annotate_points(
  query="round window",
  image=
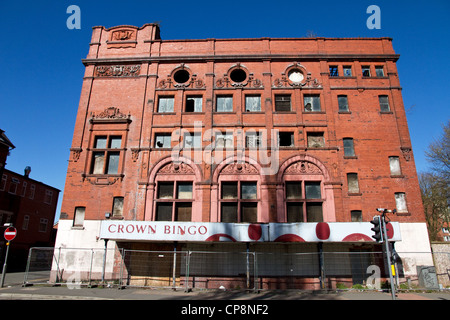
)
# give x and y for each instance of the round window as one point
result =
(295, 75)
(238, 75)
(181, 76)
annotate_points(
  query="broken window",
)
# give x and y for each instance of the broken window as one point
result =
(334, 71)
(252, 139)
(347, 71)
(366, 71)
(343, 103)
(224, 104)
(384, 103)
(379, 71)
(315, 140)
(282, 102)
(194, 104)
(165, 104)
(224, 140)
(192, 140)
(352, 181)
(394, 165)
(252, 103)
(356, 215)
(349, 150)
(312, 103)
(105, 158)
(162, 140)
(286, 139)
(238, 75)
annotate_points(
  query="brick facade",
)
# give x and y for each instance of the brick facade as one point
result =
(129, 71)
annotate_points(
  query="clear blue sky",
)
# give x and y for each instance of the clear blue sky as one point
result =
(41, 69)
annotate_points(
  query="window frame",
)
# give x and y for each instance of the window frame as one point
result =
(224, 96)
(303, 200)
(174, 200)
(239, 201)
(314, 99)
(384, 103)
(279, 98)
(165, 98)
(107, 153)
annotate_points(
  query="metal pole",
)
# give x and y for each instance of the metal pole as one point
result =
(174, 272)
(248, 266)
(4, 265)
(104, 261)
(321, 266)
(386, 243)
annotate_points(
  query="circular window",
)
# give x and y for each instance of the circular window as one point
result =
(295, 75)
(181, 76)
(238, 75)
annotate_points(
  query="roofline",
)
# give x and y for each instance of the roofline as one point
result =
(28, 178)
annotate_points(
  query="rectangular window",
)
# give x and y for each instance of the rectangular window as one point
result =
(315, 140)
(78, 219)
(294, 212)
(164, 211)
(26, 222)
(349, 149)
(312, 190)
(400, 202)
(193, 140)
(163, 140)
(3, 182)
(366, 71)
(312, 103)
(236, 204)
(252, 103)
(224, 140)
(184, 190)
(24, 188)
(32, 191)
(229, 190)
(293, 190)
(224, 104)
(183, 211)
(347, 71)
(286, 139)
(194, 104)
(43, 223)
(48, 197)
(252, 139)
(165, 104)
(379, 71)
(334, 71)
(352, 181)
(282, 102)
(356, 215)
(165, 190)
(343, 103)
(117, 210)
(314, 212)
(13, 185)
(384, 103)
(105, 158)
(394, 165)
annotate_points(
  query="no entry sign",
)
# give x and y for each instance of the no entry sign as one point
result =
(10, 233)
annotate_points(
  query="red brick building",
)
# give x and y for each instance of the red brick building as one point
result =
(30, 206)
(248, 140)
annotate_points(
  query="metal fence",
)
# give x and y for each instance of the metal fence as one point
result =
(254, 271)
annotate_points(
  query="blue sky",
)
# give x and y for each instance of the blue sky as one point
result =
(42, 72)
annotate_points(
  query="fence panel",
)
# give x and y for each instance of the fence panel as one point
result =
(237, 270)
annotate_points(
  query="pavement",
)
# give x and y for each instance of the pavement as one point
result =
(14, 290)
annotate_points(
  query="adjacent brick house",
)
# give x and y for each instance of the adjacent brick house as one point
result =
(201, 138)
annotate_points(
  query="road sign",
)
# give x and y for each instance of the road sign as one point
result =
(10, 233)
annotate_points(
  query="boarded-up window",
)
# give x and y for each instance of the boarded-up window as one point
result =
(282, 102)
(394, 165)
(353, 185)
(117, 207)
(316, 140)
(78, 219)
(400, 202)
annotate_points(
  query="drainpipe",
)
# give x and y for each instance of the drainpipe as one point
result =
(104, 261)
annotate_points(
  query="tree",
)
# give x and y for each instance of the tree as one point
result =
(434, 185)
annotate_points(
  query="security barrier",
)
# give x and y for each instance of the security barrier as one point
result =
(254, 271)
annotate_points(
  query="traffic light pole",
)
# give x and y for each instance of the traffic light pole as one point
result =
(388, 253)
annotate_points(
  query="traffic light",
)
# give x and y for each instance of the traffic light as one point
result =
(376, 228)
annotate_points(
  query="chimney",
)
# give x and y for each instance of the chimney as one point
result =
(27, 171)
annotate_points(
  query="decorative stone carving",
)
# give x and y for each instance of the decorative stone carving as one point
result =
(110, 113)
(303, 167)
(135, 154)
(407, 152)
(118, 71)
(251, 82)
(239, 168)
(176, 168)
(193, 82)
(76, 152)
(122, 37)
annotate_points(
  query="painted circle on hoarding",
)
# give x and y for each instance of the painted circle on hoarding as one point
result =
(323, 231)
(254, 232)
